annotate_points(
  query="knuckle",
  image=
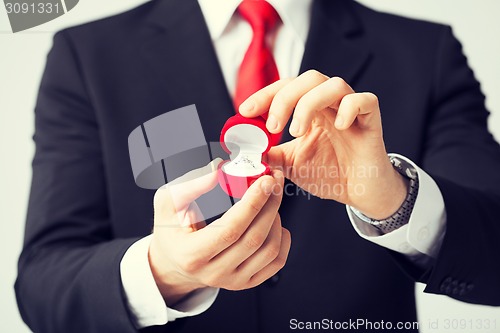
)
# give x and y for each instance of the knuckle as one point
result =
(280, 262)
(371, 98)
(272, 253)
(315, 75)
(229, 235)
(255, 240)
(285, 234)
(285, 81)
(339, 82)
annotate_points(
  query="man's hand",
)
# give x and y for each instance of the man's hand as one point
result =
(242, 249)
(339, 151)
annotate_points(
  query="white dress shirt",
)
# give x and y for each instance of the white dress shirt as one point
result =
(231, 36)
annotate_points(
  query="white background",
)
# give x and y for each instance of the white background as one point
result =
(22, 59)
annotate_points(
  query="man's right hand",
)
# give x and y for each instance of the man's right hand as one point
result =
(242, 249)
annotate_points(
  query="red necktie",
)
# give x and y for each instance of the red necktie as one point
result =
(258, 68)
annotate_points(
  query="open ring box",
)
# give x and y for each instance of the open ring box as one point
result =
(247, 141)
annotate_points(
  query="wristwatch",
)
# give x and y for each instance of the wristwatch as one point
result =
(402, 215)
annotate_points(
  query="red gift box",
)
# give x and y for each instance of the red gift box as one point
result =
(246, 140)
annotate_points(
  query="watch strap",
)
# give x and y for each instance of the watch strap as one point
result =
(402, 216)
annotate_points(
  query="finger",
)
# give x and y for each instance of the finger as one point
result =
(177, 195)
(286, 99)
(194, 218)
(361, 106)
(328, 94)
(278, 157)
(279, 176)
(259, 102)
(266, 253)
(257, 232)
(225, 231)
(277, 264)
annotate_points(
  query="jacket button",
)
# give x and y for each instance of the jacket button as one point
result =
(445, 285)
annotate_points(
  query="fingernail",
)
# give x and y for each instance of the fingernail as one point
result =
(339, 122)
(272, 123)
(267, 186)
(295, 127)
(247, 106)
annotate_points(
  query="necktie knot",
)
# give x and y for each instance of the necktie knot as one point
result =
(259, 14)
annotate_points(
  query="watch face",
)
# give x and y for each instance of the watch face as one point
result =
(403, 167)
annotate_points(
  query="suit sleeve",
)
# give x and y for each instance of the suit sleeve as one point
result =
(69, 269)
(464, 160)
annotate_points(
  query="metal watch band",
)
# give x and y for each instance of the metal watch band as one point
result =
(402, 215)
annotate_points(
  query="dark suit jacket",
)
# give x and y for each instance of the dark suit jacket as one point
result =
(105, 78)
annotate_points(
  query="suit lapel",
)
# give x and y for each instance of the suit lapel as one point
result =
(180, 54)
(335, 45)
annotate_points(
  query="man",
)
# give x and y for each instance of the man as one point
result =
(85, 264)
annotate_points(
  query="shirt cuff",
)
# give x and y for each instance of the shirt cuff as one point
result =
(426, 227)
(143, 297)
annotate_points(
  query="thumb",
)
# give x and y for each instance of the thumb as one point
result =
(278, 157)
(178, 194)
